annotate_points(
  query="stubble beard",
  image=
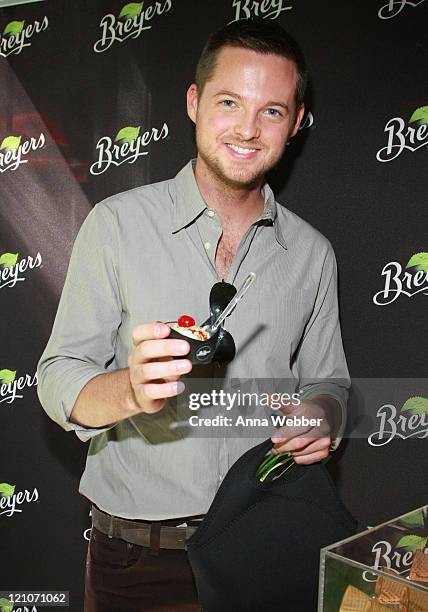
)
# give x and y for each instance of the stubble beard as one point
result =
(237, 179)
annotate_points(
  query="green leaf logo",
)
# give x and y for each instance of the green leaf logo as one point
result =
(418, 261)
(131, 10)
(14, 28)
(128, 134)
(417, 405)
(7, 376)
(10, 143)
(7, 260)
(6, 490)
(412, 542)
(6, 605)
(415, 519)
(420, 114)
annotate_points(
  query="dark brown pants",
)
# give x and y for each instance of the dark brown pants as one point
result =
(122, 577)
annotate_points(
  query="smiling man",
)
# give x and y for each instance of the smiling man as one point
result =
(245, 111)
(154, 252)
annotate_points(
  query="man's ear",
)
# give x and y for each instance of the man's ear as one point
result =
(298, 120)
(192, 102)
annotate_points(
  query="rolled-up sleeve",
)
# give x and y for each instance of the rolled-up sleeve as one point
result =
(83, 336)
(320, 361)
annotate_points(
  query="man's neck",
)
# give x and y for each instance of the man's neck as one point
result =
(238, 207)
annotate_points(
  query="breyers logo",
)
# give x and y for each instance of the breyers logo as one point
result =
(404, 136)
(394, 7)
(268, 9)
(307, 121)
(10, 386)
(17, 35)
(132, 20)
(12, 270)
(10, 501)
(7, 605)
(398, 557)
(13, 150)
(410, 422)
(128, 145)
(409, 283)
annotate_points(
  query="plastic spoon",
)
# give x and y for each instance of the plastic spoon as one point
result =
(231, 305)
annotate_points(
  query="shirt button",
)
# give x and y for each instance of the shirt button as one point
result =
(207, 246)
(211, 212)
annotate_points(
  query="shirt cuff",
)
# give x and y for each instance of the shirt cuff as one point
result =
(67, 390)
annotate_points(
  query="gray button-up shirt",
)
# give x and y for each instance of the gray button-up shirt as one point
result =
(149, 254)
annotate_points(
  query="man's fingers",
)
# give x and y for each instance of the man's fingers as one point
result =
(314, 446)
(312, 458)
(150, 331)
(285, 434)
(153, 373)
(154, 370)
(297, 444)
(154, 391)
(156, 349)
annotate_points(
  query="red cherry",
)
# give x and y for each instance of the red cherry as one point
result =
(185, 321)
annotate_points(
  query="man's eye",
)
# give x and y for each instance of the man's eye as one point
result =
(273, 112)
(228, 103)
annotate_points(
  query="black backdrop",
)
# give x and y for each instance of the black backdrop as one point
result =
(354, 171)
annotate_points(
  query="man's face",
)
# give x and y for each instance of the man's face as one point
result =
(245, 116)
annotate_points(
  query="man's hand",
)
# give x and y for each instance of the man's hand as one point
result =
(308, 444)
(153, 372)
(152, 377)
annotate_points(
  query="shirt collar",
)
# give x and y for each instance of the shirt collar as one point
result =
(189, 204)
(270, 213)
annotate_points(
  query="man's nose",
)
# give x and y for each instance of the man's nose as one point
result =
(247, 126)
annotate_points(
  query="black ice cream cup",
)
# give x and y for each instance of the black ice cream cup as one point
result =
(201, 351)
(220, 346)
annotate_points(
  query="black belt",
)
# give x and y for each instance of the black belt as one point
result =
(151, 534)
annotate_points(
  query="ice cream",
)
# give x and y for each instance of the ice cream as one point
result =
(186, 326)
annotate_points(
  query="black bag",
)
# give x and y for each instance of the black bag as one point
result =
(258, 548)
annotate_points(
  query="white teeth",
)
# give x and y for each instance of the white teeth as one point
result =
(240, 149)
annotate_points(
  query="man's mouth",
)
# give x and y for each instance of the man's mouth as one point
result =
(241, 150)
